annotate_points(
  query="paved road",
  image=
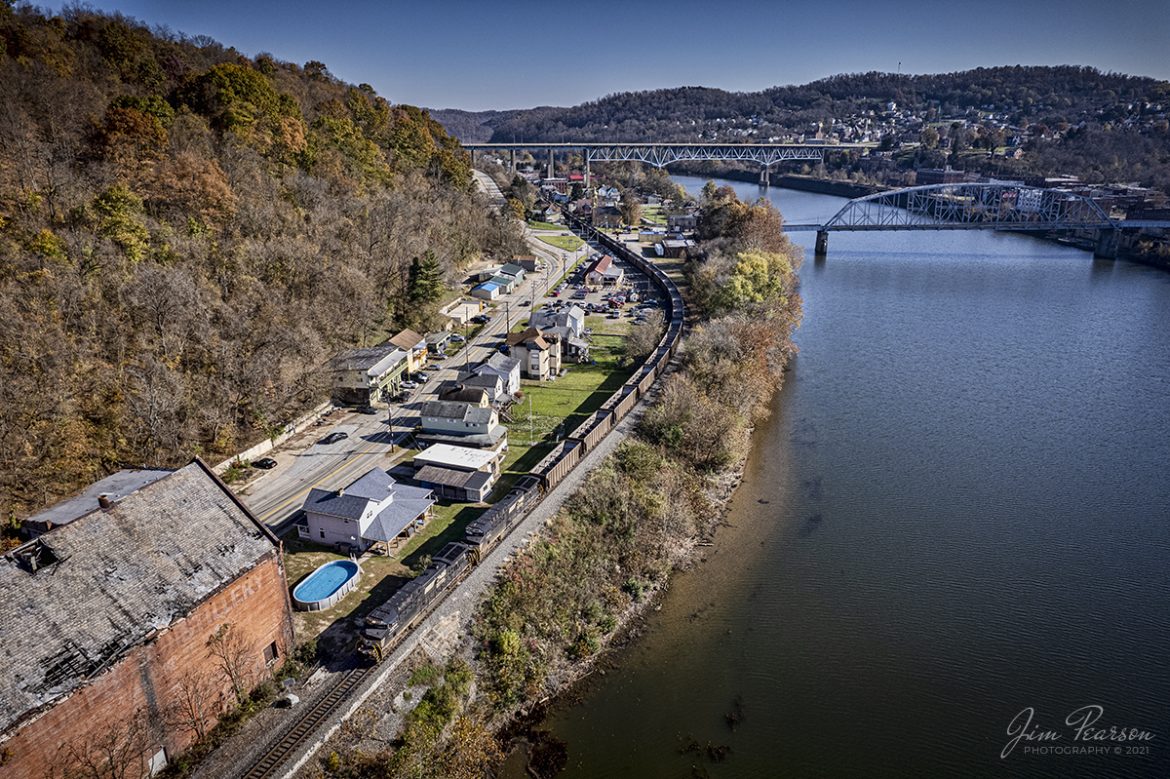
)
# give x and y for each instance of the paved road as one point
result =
(304, 463)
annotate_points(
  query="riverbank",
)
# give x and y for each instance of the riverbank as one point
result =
(651, 507)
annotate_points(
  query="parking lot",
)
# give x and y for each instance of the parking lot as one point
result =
(632, 299)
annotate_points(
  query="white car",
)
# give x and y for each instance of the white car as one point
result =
(409, 385)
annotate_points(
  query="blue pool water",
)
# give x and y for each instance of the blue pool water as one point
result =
(325, 581)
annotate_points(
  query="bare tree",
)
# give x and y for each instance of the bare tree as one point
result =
(119, 753)
(198, 702)
(227, 646)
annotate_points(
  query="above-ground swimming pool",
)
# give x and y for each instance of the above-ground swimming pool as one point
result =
(326, 585)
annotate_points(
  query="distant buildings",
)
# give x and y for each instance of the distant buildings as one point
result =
(134, 623)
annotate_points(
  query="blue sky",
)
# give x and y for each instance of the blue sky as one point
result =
(479, 55)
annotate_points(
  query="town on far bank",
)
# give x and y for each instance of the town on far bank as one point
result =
(217, 597)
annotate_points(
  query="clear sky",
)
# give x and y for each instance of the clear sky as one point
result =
(479, 55)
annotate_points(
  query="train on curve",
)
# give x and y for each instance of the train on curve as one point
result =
(386, 625)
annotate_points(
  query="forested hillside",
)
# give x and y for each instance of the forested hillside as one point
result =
(186, 235)
(1101, 126)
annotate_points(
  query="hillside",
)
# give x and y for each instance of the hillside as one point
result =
(187, 234)
(1101, 126)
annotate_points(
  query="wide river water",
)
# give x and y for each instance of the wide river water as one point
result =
(959, 509)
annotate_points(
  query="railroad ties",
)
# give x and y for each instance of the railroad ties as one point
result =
(305, 725)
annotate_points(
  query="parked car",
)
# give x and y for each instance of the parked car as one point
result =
(264, 463)
(480, 319)
(456, 338)
(367, 410)
(504, 349)
(409, 385)
(333, 438)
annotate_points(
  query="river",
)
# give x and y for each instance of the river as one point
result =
(959, 509)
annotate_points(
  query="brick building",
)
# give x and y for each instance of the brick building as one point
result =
(128, 630)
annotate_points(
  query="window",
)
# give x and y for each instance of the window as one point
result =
(271, 652)
(322, 534)
(158, 761)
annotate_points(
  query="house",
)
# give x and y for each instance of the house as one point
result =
(604, 271)
(571, 318)
(489, 290)
(546, 212)
(607, 217)
(515, 271)
(539, 354)
(437, 342)
(362, 377)
(458, 472)
(526, 261)
(113, 620)
(507, 367)
(491, 383)
(582, 208)
(683, 221)
(462, 392)
(415, 347)
(465, 424)
(372, 509)
(609, 195)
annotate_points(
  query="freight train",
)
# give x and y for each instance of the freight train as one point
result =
(386, 625)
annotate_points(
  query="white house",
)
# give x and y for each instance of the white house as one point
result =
(465, 424)
(373, 509)
(572, 318)
(506, 368)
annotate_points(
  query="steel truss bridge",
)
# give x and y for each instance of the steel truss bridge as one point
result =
(977, 207)
(662, 154)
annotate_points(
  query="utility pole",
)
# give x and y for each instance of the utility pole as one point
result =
(390, 423)
(531, 424)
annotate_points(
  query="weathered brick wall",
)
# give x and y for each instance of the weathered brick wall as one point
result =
(137, 705)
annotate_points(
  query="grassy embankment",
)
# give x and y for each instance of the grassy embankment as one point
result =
(643, 509)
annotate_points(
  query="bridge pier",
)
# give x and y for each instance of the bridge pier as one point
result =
(585, 156)
(552, 171)
(765, 176)
(512, 161)
(822, 245)
(1107, 245)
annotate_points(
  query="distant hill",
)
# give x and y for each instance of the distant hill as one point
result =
(1102, 126)
(469, 126)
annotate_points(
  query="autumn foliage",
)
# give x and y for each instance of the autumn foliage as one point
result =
(186, 235)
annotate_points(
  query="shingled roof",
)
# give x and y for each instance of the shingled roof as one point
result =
(107, 581)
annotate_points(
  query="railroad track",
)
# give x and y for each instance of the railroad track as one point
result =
(294, 737)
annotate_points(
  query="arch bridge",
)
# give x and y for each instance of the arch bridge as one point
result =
(977, 207)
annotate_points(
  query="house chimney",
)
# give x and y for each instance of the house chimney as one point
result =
(104, 501)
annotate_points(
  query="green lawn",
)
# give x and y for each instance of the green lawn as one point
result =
(536, 225)
(571, 398)
(654, 215)
(380, 576)
(569, 243)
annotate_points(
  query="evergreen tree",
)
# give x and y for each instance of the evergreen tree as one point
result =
(426, 279)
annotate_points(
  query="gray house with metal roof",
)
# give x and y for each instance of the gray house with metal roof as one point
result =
(373, 509)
